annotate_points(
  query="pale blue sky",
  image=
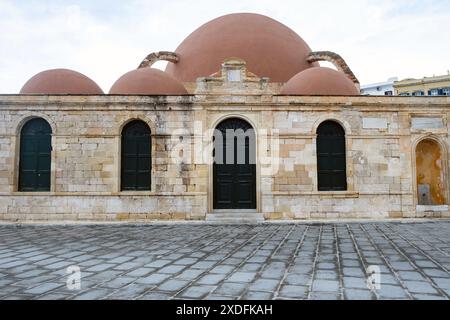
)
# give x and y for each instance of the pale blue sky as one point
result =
(104, 39)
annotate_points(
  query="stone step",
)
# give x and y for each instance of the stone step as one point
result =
(235, 221)
(235, 217)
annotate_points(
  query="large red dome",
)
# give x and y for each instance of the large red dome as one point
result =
(60, 81)
(147, 81)
(320, 81)
(269, 48)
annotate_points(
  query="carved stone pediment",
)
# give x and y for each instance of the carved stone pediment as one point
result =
(233, 77)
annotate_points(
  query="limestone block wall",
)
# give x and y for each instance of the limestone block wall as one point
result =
(373, 170)
(380, 144)
(86, 142)
(100, 207)
(381, 137)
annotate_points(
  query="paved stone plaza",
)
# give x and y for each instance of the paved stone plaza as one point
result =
(200, 261)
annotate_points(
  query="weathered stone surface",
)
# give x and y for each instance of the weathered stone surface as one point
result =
(375, 123)
(427, 123)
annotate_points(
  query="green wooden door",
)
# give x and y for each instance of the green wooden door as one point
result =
(234, 168)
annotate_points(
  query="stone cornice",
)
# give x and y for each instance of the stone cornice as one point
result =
(218, 102)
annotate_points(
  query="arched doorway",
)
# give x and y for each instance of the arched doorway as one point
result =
(136, 159)
(430, 177)
(331, 157)
(234, 167)
(35, 156)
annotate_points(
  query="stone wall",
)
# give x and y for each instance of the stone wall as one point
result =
(381, 137)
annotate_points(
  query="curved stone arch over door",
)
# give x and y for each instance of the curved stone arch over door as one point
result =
(35, 156)
(234, 167)
(430, 173)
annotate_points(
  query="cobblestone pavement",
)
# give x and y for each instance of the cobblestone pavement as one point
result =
(195, 261)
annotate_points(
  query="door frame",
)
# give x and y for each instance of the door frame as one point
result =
(250, 118)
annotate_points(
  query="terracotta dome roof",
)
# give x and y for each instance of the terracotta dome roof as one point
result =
(60, 81)
(270, 48)
(320, 81)
(147, 81)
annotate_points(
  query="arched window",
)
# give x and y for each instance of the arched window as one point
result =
(136, 163)
(331, 158)
(35, 156)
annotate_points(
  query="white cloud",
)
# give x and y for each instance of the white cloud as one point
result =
(103, 40)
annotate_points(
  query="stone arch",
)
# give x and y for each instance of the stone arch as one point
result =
(343, 123)
(25, 118)
(154, 57)
(145, 119)
(233, 115)
(336, 60)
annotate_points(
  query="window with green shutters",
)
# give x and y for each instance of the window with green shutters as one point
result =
(35, 156)
(136, 163)
(331, 157)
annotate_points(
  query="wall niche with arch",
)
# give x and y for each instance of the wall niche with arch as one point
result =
(430, 173)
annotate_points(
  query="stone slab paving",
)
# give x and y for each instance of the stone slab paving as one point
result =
(203, 261)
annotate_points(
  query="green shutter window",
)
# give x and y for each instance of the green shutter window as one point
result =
(35, 156)
(136, 163)
(331, 158)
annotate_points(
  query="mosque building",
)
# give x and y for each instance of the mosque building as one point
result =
(243, 125)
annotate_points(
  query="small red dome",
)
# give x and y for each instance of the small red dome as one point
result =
(147, 81)
(269, 48)
(60, 81)
(320, 81)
